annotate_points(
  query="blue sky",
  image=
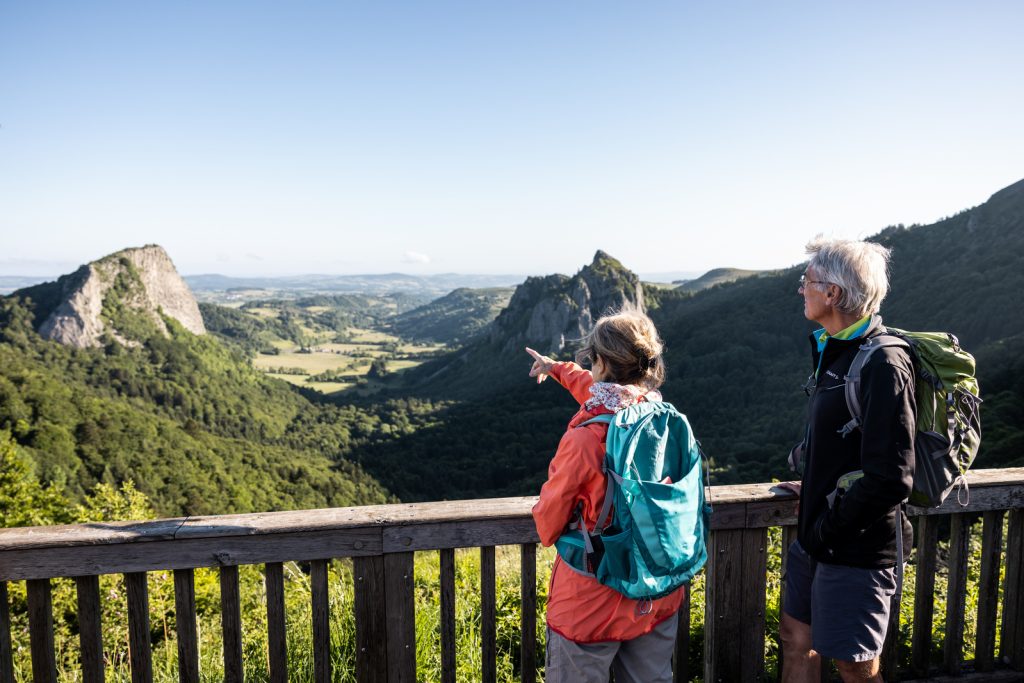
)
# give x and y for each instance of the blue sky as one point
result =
(257, 138)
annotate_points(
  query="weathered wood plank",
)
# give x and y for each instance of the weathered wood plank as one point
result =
(185, 616)
(139, 647)
(723, 612)
(231, 624)
(448, 662)
(924, 573)
(277, 642)
(95, 533)
(488, 616)
(528, 621)
(90, 629)
(321, 621)
(187, 554)
(468, 533)
(889, 659)
(40, 628)
(988, 590)
(1012, 646)
(681, 652)
(956, 595)
(371, 627)
(6, 657)
(400, 617)
(754, 570)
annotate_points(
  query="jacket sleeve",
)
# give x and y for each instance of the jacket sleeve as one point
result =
(570, 476)
(574, 378)
(889, 424)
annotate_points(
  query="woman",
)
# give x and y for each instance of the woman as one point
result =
(592, 628)
(840, 572)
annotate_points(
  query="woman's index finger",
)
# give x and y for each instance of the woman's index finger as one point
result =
(536, 356)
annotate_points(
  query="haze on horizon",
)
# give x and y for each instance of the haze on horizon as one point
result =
(260, 139)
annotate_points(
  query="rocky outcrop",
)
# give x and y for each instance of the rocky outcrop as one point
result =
(549, 313)
(123, 294)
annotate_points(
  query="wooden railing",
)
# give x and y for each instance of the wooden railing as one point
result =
(381, 541)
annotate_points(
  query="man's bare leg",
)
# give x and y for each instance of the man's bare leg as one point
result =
(860, 671)
(800, 663)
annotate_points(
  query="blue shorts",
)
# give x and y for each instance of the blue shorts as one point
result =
(846, 607)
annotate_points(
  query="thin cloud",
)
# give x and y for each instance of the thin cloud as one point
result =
(415, 257)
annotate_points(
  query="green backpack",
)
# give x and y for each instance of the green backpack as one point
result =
(948, 419)
(651, 535)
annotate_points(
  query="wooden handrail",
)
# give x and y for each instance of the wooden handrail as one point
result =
(381, 540)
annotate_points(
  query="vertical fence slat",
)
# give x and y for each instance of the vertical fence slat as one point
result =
(956, 600)
(1012, 646)
(888, 661)
(681, 655)
(924, 582)
(371, 631)
(528, 623)
(185, 618)
(231, 624)
(448, 615)
(401, 617)
(276, 641)
(138, 627)
(321, 621)
(90, 629)
(6, 658)
(755, 579)
(40, 627)
(988, 590)
(723, 608)
(488, 616)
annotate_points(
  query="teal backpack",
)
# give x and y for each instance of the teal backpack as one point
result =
(651, 535)
(948, 406)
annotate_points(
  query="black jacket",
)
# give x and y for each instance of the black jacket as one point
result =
(859, 529)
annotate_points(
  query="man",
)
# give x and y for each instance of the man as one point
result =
(840, 573)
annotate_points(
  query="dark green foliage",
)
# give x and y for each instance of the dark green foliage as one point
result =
(249, 332)
(188, 420)
(455, 317)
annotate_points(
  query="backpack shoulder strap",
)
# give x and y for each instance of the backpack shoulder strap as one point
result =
(853, 375)
(606, 418)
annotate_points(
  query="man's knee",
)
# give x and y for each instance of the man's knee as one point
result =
(859, 671)
(795, 634)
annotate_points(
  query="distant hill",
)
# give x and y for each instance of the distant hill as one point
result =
(428, 286)
(455, 317)
(714, 277)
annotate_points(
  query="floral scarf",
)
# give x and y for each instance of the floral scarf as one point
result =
(615, 397)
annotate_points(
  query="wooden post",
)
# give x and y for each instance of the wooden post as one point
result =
(6, 658)
(371, 631)
(988, 590)
(276, 642)
(185, 616)
(1012, 649)
(401, 617)
(956, 600)
(528, 621)
(40, 627)
(924, 578)
(138, 627)
(321, 621)
(734, 619)
(90, 630)
(231, 624)
(448, 664)
(681, 655)
(488, 616)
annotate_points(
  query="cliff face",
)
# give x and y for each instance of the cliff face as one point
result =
(124, 294)
(549, 312)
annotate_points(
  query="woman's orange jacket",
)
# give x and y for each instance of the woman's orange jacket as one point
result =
(580, 608)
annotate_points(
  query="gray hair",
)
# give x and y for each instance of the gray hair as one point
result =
(859, 269)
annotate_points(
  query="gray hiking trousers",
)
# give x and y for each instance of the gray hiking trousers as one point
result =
(647, 659)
